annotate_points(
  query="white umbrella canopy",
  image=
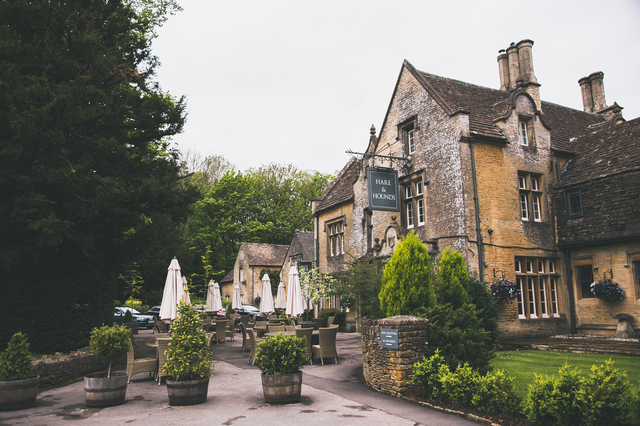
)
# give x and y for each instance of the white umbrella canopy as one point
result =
(266, 299)
(280, 298)
(235, 302)
(295, 305)
(174, 292)
(185, 288)
(213, 301)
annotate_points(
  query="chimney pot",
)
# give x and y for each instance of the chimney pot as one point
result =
(597, 91)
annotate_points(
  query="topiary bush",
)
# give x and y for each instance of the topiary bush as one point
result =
(452, 282)
(281, 354)
(496, 393)
(189, 355)
(110, 342)
(15, 361)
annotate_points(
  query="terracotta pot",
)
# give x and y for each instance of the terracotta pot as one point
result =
(283, 388)
(187, 392)
(18, 394)
(103, 391)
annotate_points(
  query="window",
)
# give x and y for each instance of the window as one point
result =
(538, 288)
(336, 238)
(413, 207)
(408, 132)
(523, 132)
(530, 189)
(409, 215)
(411, 141)
(573, 201)
(584, 278)
(420, 212)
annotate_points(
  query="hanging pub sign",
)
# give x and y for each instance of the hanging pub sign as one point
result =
(383, 189)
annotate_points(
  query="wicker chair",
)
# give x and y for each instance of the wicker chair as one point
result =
(308, 334)
(160, 327)
(163, 347)
(243, 330)
(244, 319)
(327, 344)
(330, 321)
(140, 365)
(275, 328)
(289, 328)
(230, 330)
(221, 332)
(319, 322)
(254, 345)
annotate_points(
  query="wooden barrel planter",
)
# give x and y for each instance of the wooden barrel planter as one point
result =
(282, 389)
(103, 391)
(18, 394)
(187, 392)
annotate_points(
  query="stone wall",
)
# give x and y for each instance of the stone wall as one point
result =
(389, 370)
(57, 369)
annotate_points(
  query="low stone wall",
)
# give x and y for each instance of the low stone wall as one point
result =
(389, 370)
(61, 368)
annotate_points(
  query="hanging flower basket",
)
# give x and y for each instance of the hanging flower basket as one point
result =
(504, 290)
(607, 290)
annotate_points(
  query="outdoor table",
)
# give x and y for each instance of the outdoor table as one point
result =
(307, 324)
(286, 333)
(260, 329)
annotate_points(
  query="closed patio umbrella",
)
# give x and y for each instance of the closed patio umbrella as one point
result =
(295, 305)
(235, 302)
(266, 299)
(174, 292)
(213, 302)
(186, 298)
(280, 298)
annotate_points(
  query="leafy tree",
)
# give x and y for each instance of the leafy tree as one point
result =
(407, 286)
(85, 166)
(362, 282)
(486, 308)
(204, 173)
(452, 284)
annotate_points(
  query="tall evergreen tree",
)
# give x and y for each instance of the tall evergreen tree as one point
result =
(452, 284)
(407, 282)
(86, 174)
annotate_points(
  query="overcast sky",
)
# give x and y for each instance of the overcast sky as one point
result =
(300, 82)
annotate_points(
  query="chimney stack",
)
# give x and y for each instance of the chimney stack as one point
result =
(592, 89)
(516, 69)
(503, 66)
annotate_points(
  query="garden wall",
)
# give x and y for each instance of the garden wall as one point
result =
(57, 369)
(389, 370)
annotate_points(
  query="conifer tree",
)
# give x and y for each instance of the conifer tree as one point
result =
(452, 284)
(407, 286)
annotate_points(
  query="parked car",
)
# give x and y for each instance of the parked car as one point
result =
(248, 310)
(155, 311)
(143, 320)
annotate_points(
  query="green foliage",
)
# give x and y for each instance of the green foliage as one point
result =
(89, 183)
(189, 355)
(452, 283)
(316, 286)
(600, 398)
(133, 281)
(459, 336)
(134, 304)
(461, 385)
(426, 374)
(15, 361)
(128, 317)
(407, 286)
(362, 281)
(486, 308)
(496, 393)
(281, 354)
(340, 316)
(110, 342)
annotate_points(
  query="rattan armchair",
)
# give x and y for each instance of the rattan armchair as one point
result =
(230, 330)
(327, 344)
(253, 340)
(163, 347)
(140, 365)
(275, 328)
(308, 334)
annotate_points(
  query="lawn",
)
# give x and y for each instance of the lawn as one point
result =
(522, 365)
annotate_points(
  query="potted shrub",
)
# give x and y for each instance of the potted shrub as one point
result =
(110, 388)
(280, 359)
(188, 365)
(18, 385)
(128, 322)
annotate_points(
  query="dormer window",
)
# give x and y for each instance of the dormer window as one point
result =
(573, 201)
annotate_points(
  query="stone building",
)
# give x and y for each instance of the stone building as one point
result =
(251, 260)
(301, 254)
(477, 171)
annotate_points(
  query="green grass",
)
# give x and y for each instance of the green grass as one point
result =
(522, 365)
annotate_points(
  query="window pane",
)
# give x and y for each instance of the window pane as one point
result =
(524, 207)
(420, 212)
(532, 298)
(536, 208)
(520, 301)
(584, 278)
(543, 297)
(522, 182)
(524, 140)
(418, 188)
(411, 140)
(575, 203)
(410, 215)
(554, 296)
(534, 183)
